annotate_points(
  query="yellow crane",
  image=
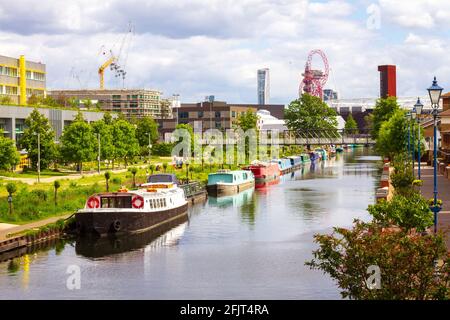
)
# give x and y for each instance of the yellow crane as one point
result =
(102, 68)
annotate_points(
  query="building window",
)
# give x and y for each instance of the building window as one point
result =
(38, 76)
(218, 125)
(233, 114)
(8, 71)
(10, 90)
(200, 114)
(184, 115)
(217, 114)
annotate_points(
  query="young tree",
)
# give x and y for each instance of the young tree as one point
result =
(310, 113)
(11, 188)
(165, 165)
(37, 123)
(125, 144)
(107, 177)
(247, 120)
(406, 263)
(384, 110)
(56, 185)
(350, 125)
(146, 126)
(78, 142)
(392, 135)
(133, 171)
(152, 168)
(9, 157)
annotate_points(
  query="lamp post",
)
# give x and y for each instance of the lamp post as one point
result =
(418, 107)
(408, 117)
(435, 96)
(98, 157)
(149, 147)
(413, 118)
(38, 134)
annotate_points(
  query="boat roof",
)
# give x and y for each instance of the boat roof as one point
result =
(162, 178)
(229, 172)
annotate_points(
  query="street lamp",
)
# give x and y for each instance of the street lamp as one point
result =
(413, 118)
(39, 154)
(435, 96)
(149, 147)
(408, 117)
(418, 107)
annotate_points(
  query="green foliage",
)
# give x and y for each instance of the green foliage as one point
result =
(38, 123)
(78, 142)
(9, 156)
(350, 125)
(152, 168)
(125, 144)
(392, 136)
(106, 139)
(107, 177)
(407, 263)
(11, 188)
(116, 180)
(310, 113)
(6, 100)
(402, 178)
(134, 171)
(408, 212)
(165, 165)
(162, 149)
(147, 126)
(384, 110)
(247, 120)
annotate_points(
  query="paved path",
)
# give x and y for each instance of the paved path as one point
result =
(32, 181)
(443, 193)
(19, 228)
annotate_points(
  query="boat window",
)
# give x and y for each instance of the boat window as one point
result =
(116, 202)
(158, 203)
(164, 202)
(245, 176)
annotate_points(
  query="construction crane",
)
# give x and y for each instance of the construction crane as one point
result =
(101, 71)
(113, 61)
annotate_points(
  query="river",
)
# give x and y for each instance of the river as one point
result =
(249, 246)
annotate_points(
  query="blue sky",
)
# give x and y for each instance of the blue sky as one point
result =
(201, 47)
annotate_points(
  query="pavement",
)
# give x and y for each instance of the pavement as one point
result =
(426, 173)
(6, 228)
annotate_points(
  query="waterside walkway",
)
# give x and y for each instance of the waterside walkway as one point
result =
(443, 194)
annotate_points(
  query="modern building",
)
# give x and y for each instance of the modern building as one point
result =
(388, 81)
(263, 86)
(131, 102)
(217, 115)
(268, 122)
(12, 119)
(20, 79)
(329, 94)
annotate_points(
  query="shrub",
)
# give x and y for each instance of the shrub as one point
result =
(407, 212)
(40, 194)
(116, 180)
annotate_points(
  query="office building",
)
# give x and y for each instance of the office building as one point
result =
(263, 86)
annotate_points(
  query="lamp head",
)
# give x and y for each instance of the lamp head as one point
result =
(418, 106)
(435, 93)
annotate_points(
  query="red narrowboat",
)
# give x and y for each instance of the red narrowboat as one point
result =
(264, 172)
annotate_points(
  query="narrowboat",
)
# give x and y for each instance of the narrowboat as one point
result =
(284, 164)
(127, 212)
(296, 162)
(264, 171)
(305, 158)
(226, 182)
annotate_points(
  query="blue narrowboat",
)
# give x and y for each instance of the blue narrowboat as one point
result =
(226, 182)
(296, 162)
(285, 165)
(305, 158)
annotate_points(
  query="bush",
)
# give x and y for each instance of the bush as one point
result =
(162, 149)
(116, 180)
(407, 212)
(41, 195)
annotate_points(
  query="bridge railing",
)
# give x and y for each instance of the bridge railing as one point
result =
(318, 137)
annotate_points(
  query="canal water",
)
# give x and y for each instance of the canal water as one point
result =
(249, 246)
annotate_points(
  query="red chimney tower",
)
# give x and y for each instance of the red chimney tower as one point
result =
(388, 81)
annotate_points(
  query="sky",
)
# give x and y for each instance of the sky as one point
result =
(196, 48)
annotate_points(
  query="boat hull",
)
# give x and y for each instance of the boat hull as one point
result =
(123, 222)
(218, 190)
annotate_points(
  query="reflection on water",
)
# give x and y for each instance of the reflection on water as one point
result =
(251, 245)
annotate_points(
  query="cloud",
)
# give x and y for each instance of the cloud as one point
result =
(201, 47)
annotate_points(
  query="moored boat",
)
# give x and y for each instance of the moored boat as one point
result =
(133, 211)
(284, 165)
(296, 162)
(264, 171)
(226, 182)
(305, 158)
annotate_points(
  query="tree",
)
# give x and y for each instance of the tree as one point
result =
(350, 125)
(146, 126)
(392, 136)
(11, 188)
(189, 128)
(125, 144)
(9, 157)
(407, 262)
(152, 168)
(107, 177)
(247, 120)
(56, 185)
(310, 113)
(165, 165)
(133, 171)
(107, 118)
(106, 138)
(78, 142)
(384, 110)
(37, 123)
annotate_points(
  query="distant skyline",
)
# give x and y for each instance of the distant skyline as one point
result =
(197, 48)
